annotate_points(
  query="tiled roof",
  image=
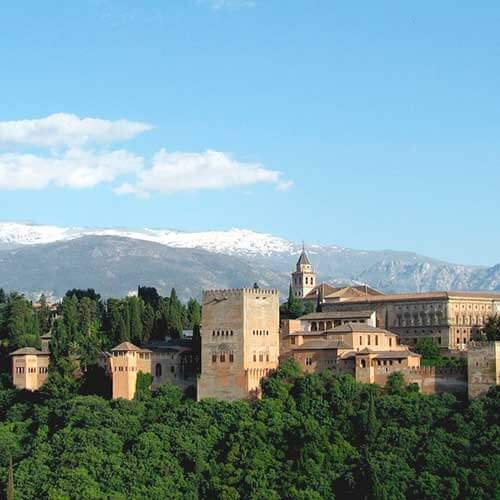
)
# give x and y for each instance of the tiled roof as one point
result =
(359, 328)
(336, 315)
(303, 259)
(421, 296)
(28, 351)
(126, 346)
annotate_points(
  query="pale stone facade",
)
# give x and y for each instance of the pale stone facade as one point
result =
(483, 364)
(167, 361)
(30, 366)
(357, 348)
(239, 342)
(453, 319)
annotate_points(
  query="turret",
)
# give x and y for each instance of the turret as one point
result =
(304, 277)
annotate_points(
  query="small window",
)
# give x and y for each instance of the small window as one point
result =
(222, 358)
(214, 358)
(158, 370)
(231, 358)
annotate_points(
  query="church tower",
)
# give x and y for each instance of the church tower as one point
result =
(304, 277)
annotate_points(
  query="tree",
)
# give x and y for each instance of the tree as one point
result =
(3, 296)
(149, 295)
(10, 481)
(148, 322)
(395, 384)
(491, 329)
(135, 306)
(193, 314)
(293, 307)
(428, 349)
(174, 320)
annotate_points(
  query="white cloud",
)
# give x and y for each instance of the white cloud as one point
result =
(74, 168)
(175, 172)
(62, 129)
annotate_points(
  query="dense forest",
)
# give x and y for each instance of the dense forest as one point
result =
(310, 437)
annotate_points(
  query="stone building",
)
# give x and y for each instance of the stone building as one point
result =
(239, 342)
(30, 366)
(483, 364)
(167, 361)
(356, 348)
(452, 318)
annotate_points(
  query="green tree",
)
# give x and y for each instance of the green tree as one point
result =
(135, 306)
(491, 329)
(10, 482)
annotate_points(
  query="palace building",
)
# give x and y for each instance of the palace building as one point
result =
(239, 342)
(451, 318)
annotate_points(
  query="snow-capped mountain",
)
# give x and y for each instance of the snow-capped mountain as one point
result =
(231, 242)
(35, 258)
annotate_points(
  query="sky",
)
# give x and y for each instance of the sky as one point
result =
(370, 125)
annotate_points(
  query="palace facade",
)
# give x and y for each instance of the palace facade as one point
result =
(452, 319)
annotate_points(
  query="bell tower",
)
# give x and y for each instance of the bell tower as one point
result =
(304, 277)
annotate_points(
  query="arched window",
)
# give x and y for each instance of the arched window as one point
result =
(158, 370)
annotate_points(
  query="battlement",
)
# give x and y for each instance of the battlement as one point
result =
(436, 370)
(240, 292)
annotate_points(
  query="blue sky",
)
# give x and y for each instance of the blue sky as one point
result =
(366, 124)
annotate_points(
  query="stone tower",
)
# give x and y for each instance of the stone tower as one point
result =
(239, 342)
(304, 277)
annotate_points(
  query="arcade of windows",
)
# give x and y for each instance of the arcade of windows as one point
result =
(321, 326)
(222, 357)
(260, 332)
(21, 369)
(261, 358)
(222, 333)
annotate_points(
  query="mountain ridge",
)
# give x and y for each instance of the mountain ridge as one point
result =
(239, 256)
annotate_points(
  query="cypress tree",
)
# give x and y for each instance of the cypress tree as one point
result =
(10, 481)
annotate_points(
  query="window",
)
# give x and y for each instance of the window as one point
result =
(390, 342)
(231, 358)
(376, 339)
(360, 340)
(267, 357)
(261, 358)
(369, 339)
(222, 358)
(158, 370)
(172, 369)
(293, 340)
(214, 358)
(255, 358)
(309, 361)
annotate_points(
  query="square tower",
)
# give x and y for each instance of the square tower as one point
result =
(239, 342)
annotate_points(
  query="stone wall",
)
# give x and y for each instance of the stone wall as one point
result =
(483, 364)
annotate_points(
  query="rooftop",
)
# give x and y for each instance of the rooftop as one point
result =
(336, 315)
(421, 296)
(25, 351)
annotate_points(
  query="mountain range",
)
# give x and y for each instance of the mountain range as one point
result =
(52, 259)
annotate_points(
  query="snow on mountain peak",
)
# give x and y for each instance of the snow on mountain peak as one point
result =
(234, 241)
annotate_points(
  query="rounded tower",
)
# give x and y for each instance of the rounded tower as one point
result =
(304, 277)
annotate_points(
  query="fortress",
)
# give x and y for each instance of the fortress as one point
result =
(355, 329)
